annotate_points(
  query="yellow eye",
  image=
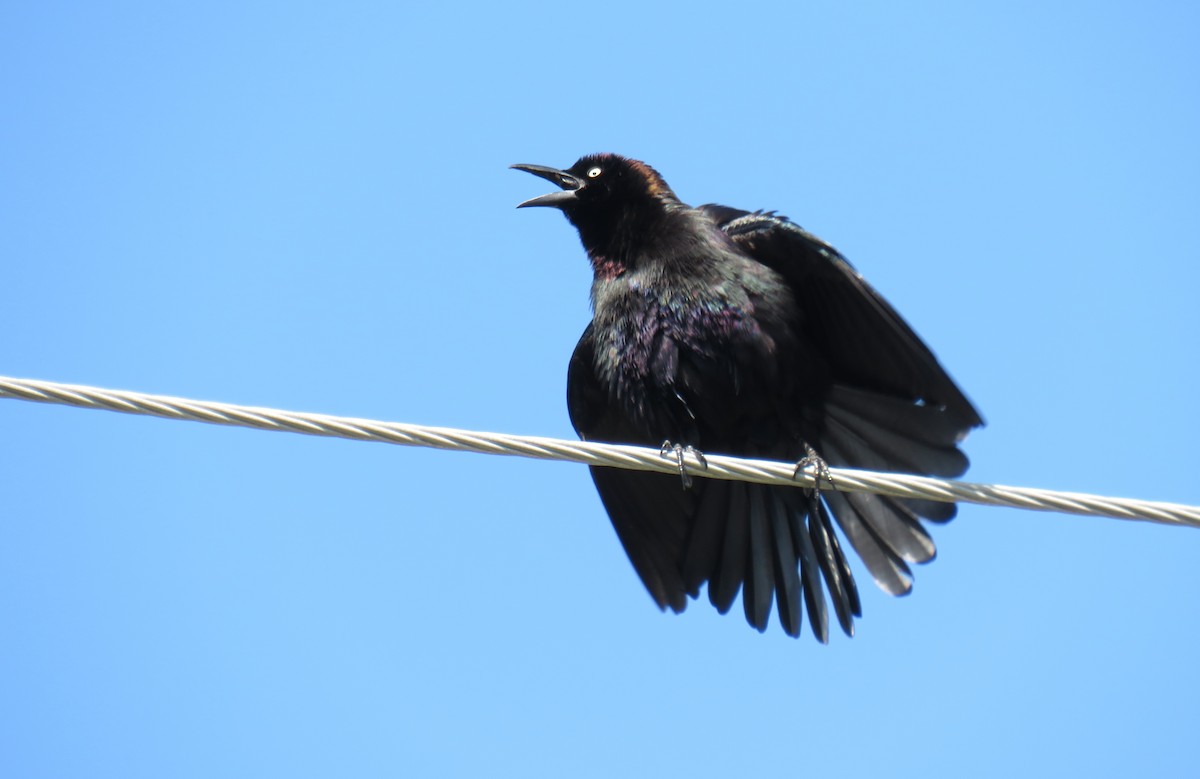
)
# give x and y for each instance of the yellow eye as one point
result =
(593, 173)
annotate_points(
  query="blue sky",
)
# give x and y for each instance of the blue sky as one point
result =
(304, 207)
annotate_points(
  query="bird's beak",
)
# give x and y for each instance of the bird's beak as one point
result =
(569, 183)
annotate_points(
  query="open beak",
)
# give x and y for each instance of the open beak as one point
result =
(569, 184)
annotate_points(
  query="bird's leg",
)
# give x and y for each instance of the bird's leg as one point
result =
(679, 453)
(819, 466)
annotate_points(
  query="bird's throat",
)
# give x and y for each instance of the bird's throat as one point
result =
(605, 267)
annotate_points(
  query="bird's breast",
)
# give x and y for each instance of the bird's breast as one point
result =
(664, 352)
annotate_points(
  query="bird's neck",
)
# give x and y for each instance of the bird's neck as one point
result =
(637, 238)
(682, 258)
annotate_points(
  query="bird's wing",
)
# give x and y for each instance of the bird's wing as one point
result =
(866, 343)
(650, 511)
(891, 406)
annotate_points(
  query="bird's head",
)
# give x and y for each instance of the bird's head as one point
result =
(607, 197)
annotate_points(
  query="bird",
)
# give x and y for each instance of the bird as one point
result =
(720, 330)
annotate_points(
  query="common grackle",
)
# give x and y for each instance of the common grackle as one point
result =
(740, 333)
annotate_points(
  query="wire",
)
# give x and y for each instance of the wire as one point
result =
(611, 455)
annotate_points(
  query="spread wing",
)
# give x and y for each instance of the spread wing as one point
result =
(866, 343)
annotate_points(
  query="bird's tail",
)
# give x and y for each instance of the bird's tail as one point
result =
(776, 541)
(777, 545)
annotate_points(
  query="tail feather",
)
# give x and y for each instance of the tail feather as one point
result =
(754, 539)
(723, 588)
(835, 568)
(802, 543)
(760, 581)
(708, 533)
(933, 510)
(894, 525)
(787, 577)
(890, 572)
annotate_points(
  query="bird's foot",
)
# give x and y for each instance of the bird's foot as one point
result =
(820, 468)
(679, 453)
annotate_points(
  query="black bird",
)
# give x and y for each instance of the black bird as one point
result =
(738, 332)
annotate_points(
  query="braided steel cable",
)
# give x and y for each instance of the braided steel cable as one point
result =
(612, 455)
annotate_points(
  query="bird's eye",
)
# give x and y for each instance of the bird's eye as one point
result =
(594, 172)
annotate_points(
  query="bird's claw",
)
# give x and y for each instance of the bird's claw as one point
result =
(679, 454)
(820, 468)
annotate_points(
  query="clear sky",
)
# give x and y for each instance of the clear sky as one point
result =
(309, 207)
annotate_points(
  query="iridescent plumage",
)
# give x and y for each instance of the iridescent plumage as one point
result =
(740, 333)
